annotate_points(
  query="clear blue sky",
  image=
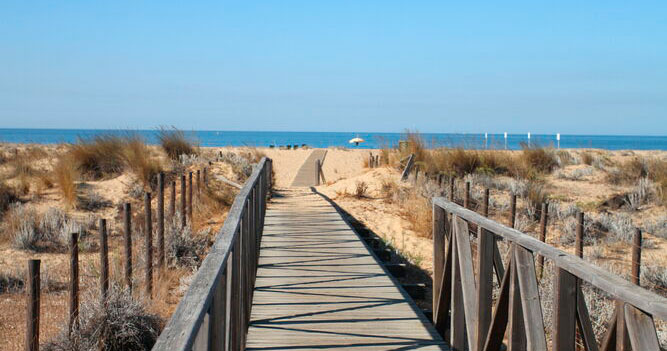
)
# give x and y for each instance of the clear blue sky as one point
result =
(582, 67)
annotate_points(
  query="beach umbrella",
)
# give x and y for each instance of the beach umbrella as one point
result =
(356, 141)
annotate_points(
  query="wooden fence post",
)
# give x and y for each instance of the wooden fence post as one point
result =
(198, 183)
(104, 260)
(183, 198)
(513, 210)
(451, 188)
(128, 245)
(636, 256)
(579, 242)
(160, 222)
(73, 280)
(190, 214)
(205, 177)
(172, 201)
(485, 208)
(466, 199)
(544, 212)
(149, 245)
(32, 310)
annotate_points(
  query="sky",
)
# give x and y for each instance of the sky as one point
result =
(574, 67)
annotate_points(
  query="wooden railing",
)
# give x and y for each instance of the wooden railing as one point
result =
(214, 313)
(463, 304)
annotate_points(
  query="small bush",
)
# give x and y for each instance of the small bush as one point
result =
(11, 282)
(619, 226)
(184, 248)
(361, 190)
(93, 202)
(51, 231)
(7, 197)
(654, 276)
(65, 175)
(99, 157)
(138, 159)
(657, 227)
(587, 157)
(535, 196)
(536, 160)
(119, 323)
(174, 143)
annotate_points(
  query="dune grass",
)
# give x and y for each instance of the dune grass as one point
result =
(174, 143)
(65, 174)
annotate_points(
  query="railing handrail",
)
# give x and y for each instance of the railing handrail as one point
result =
(182, 329)
(610, 283)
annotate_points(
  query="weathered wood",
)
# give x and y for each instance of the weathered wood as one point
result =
(613, 285)
(190, 214)
(161, 265)
(636, 256)
(73, 280)
(544, 211)
(127, 233)
(530, 299)
(184, 214)
(408, 167)
(466, 198)
(104, 260)
(33, 302)
(172, 201)
(641, 329)
(438, 253)
(485, 203)
(584, 322)
(484, 284)
(441, 316)
(182, 328)
(516, 334)
(498, 260)
(494, 337)
(564, 313)
(218, 326)
(609, 340)
(457, 324)
(452, 181)
(198, 183)
(512, 210)
(467, 273)
(148, 235)
(579, 241)
(622, 338)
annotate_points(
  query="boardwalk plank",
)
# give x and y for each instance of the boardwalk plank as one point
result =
(318, 287)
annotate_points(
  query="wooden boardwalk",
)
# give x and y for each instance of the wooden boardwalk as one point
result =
(318, 287)
(307, 174)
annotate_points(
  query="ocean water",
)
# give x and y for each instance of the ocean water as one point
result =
(332, 139)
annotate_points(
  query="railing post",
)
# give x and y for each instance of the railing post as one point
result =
(579, 241)
(190, 214)
(636, 256)
(484, 283)
(128, 245)
(217, 325)
(438, 254)
(172, 201)
(73, 280)
(544, 212)
(33, 303)
(485, 208)
(184, 214)
(149, 245)
(317, 171)
(565, 310)
(104, 260)
(466, 199)
(160, 222)
(512, 210)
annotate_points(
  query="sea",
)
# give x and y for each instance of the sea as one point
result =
(341, 139)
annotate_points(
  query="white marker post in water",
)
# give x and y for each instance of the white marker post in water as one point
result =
(528, 139)
(486, 140)
(505, 140)
(558, 139)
